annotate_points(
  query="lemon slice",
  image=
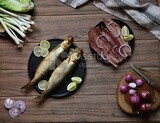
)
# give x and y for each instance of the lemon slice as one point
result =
(37, 51)
(45, 44)
(42, 84)
(72, 86)
(77, 80)
(44, 52)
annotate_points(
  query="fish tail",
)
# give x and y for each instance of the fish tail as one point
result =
(39, 99)
(27, 88)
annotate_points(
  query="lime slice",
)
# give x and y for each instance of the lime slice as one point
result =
(42, 84)
(129, 37)
(72, 86)
(45, 44)
(44, 52)
(77, 80)
(37, 51)
(125, 31)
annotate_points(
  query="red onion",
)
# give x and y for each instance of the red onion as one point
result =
(145, 96)
(114, 49)
(97, 40)
(15, 107)
(124, 88)
(103, 57)
(128, 78)
(145, 107)
(14, 112)
(21, 105)
(122, 46)
(139, 82)
(134, 100)
(109, 27)
(9, 103)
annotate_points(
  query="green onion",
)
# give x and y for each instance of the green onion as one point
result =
(16, 25)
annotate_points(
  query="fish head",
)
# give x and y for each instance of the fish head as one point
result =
(77, 53)
(67, 42)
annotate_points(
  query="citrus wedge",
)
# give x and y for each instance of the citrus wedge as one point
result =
(125, 31)
(45, 44)
(44, 52)
(72, 86)
(129, 37)
(37, 51)
(77, 80)
(42, 84)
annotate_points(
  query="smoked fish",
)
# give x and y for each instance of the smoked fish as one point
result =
(48, 64)
(60, 74)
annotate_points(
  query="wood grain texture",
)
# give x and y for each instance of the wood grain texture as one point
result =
(77, 108)
(96, 99)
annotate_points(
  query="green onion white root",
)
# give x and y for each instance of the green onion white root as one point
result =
(16, 25)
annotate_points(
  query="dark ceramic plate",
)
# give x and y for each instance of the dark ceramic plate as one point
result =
(61, 91)
(121, 24)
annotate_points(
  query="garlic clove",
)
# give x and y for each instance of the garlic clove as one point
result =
(132, 85)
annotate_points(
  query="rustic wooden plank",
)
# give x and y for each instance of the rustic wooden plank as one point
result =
(101, 82)
(77, 108)
(14, 58)
(77, 26)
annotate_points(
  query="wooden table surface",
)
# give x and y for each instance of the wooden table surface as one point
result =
(96, 99)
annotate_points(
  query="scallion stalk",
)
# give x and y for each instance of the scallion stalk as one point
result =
(16, 25)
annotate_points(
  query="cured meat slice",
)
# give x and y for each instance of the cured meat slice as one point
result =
(107, 41)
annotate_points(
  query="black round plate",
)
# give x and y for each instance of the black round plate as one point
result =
(61, 91)
(121, 24)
